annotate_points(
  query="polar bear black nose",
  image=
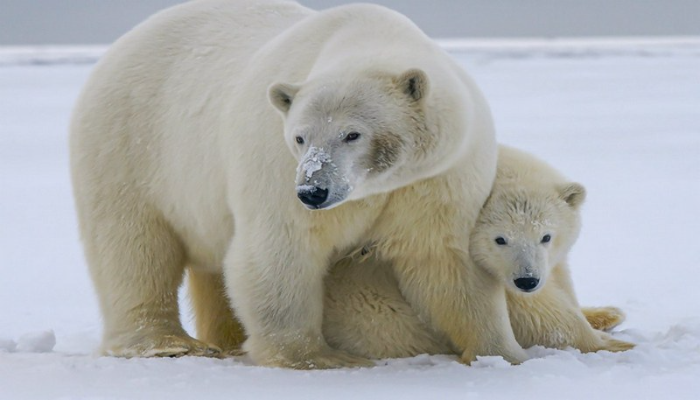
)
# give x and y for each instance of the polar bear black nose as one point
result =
(526, 284)
(313, 196)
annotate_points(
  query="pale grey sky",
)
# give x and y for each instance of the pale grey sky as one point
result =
(36, 22)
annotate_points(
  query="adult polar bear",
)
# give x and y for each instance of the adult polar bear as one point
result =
(175, 146)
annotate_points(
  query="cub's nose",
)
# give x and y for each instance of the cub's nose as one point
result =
(526, 284)
(313, 196)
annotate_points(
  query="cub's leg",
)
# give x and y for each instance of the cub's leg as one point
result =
(215, 321)
(603, 318)
(587, 321)
(548, 324)
(551, 317)
(365, 313)
(136, 262)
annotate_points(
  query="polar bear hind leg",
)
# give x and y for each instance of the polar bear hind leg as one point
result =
(137, 264)
(215, 320)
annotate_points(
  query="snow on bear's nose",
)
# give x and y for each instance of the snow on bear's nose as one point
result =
(312, 162)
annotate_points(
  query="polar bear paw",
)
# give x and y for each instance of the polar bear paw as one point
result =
(604, 318)
(291, 356)
(330, 359)
(611, 344)
(165, 346)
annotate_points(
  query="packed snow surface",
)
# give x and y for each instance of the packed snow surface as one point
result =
(621, 117)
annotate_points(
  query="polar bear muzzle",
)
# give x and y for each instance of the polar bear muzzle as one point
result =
(312, 196)
(526, 284)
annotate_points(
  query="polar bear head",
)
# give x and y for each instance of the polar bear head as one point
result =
(353, 137)
(523, 232)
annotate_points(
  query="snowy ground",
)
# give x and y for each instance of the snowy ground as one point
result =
(621, 117)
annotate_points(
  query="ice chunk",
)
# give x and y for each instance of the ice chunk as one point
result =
(37, 342)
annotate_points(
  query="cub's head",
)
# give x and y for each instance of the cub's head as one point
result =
(352, 137)
(522, 233)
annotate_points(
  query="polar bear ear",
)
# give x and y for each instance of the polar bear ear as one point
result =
(573, 194)
(281, 96)
(414, 83)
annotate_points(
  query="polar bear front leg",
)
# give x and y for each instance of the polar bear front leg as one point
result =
(277, 292)
(459, 299)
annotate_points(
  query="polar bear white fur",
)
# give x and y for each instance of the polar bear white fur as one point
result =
(180, 157)
(522, 236)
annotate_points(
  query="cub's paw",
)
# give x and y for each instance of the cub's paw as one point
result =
(603, 318)
(611, 344)
(617, 345)
(165, 346)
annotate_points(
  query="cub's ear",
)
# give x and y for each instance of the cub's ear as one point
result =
(573, 194)
(413, 83)
(281, 96)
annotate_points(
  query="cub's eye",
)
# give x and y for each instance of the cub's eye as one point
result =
(501, 241)
(546, 238)
(352, 136)
(299, 139)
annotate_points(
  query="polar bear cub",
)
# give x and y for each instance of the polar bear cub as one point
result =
(523, 235)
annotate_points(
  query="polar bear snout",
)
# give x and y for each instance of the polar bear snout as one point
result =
(527, 285)
(312, 196)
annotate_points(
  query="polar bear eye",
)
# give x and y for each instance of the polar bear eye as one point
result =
(352, 136)
(501, 241)
(546, 238)
(299, 140)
